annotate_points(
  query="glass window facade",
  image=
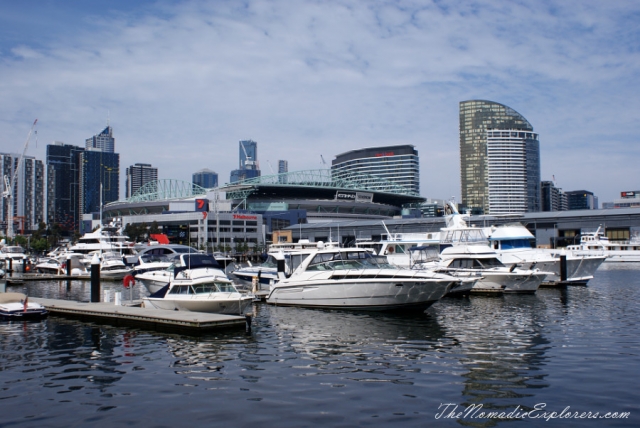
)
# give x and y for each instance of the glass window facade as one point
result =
(398, 164)
(477, 117)
(96, 168)
(205, 178)
(103, 141)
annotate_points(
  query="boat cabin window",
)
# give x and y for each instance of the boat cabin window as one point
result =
(475, 263)
(89, 241)
(510, 244)
(214, 287)
(181, 289)
(340, 260)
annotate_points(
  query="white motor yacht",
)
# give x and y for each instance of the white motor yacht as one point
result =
(354, 278)
(200, 286)
(58, 264)
(14, 255)
(596, 243)
(111, 265)
(155, 280)
(480, 261)
(514, 245)
(107, 238)
(265, 273)
(158, 257)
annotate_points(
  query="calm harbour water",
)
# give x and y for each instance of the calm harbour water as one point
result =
(577, 347)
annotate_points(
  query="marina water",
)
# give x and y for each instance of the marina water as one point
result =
(550, 359)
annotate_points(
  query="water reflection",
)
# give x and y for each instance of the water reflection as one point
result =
(501, 346)
(575, 346)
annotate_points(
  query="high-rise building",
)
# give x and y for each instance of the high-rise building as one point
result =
(205, 178)
(283, 168)
(499, 159)
(397, 164)
(582, 200)
(98, 169)
(553, 198)
(248, 164)
(103, 141)
(138, 175)
(27, 192)
(63, 166)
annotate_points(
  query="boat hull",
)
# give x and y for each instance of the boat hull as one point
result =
(366, 294)
(153, 281)
(13, 307)
(228, 305)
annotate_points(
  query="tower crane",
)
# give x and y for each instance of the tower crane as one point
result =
(270, 167)
(9, 185)
(247, 160)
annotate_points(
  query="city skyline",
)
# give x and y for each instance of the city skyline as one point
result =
(182, 82)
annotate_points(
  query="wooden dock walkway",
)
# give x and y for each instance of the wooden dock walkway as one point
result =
(155, 319)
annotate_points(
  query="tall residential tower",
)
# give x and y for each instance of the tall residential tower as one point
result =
(138, 175)
(499, 159)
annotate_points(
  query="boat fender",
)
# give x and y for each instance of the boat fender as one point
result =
(128, 281)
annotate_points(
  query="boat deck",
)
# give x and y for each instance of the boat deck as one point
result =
(156, 319)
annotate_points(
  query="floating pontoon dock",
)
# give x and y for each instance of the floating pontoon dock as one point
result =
(156, 319)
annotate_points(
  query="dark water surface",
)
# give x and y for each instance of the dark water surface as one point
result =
(577, 347)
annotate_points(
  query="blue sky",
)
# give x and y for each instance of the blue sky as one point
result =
(181, 82)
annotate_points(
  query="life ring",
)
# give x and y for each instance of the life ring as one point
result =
(128, 281)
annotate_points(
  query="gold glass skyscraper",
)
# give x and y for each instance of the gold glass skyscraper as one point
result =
(477, 118)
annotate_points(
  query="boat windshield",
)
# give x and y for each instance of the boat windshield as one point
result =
(270, 262)
(204, 288)
(510, 244)
(151, 258)
(348, 260)
(16, 250)
(475, 263)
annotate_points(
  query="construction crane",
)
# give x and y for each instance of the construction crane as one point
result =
(270, 167)
(9, 185)
(322, 158)
(247, 160)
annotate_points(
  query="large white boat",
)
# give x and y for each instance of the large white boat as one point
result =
(107, 238)
(354, 278)
(58, 264)
(112, 266)
(154, 280)
(480, 261)
(514, 245)
(266, 273)
(200, 286)
(158, 257)
(596, 243)
(13, 254)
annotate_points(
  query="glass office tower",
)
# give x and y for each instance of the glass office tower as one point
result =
(98, 168)
(205, 178)
(103, 141)
(63, 165)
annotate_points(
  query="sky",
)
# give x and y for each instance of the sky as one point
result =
(182, 82)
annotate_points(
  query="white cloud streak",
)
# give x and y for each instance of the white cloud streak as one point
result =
(183, 82)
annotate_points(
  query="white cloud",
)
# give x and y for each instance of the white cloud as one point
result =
(183, 82)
